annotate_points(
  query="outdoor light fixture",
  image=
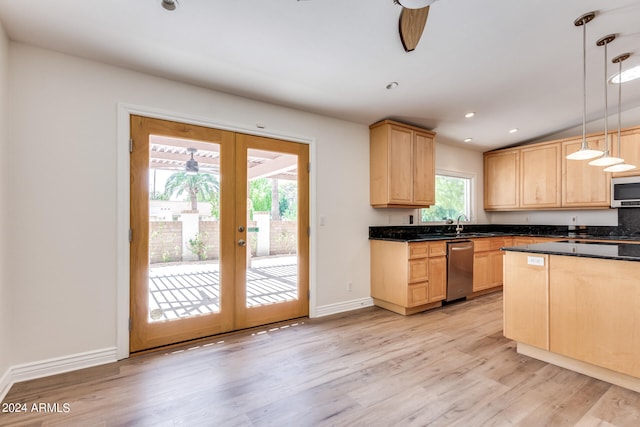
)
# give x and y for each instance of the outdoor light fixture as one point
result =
(606, 159)
(191, 167)
(584, 152)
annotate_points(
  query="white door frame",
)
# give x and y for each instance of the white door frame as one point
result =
(123, 208)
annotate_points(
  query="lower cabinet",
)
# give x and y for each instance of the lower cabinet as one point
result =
(408, 277)
(487, 262)
(526, 299)
(586, 309)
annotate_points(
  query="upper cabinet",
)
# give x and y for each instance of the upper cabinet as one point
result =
(538, 176)
(402, 165)
(501, 179)
(583, 185)
(629, 150)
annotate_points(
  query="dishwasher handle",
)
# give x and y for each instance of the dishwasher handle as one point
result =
(460, 248)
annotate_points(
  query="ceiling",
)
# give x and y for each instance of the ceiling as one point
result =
(517, 64)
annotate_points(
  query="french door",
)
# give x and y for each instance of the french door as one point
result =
(219, 236)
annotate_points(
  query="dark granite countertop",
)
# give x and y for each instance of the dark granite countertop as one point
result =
(614, 251)
(471, 235)
(447, 232)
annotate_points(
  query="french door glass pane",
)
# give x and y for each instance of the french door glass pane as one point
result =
(272, 225)
(184, 229)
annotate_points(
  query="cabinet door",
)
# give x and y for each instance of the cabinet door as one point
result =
(400, 165)
(540, 176)
(496, 259)
(481, 271)
(595, 311)
(526, 296)
(423, 170)
(487, 270)
(437, 279)
(584, 185)
(501, 180)
(629, 150)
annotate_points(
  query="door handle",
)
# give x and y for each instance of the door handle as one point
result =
(242, 242)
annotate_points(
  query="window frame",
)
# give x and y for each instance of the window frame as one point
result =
(472, 197)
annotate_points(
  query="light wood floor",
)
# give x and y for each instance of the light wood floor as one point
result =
(371, 367)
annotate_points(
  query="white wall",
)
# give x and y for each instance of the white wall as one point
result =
(5, 303)
(449, 158)
(63, 127)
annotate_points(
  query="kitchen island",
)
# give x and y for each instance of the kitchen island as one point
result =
(576, 305)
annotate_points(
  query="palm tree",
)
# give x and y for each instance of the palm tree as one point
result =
(180, 183)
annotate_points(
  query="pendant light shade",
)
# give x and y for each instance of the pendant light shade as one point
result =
(621, 166)
(191, 167)
(584, 153)
(415, 4)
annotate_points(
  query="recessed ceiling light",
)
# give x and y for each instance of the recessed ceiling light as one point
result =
(392, 85)
(468, 139)
(469, 115)
(514, 130)
(627, 75)
(169, 4)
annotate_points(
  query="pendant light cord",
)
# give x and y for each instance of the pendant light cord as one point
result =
(584, 85)
(619, 105)
(606, 109)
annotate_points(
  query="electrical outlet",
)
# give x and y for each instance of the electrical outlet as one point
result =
(349, 287)
(574, 219)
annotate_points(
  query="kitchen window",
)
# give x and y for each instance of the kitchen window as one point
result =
(453, 198)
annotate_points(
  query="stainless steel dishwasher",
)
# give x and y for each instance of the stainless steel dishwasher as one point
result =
(459, 269)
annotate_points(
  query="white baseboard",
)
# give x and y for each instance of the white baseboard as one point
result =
(5, 384)
(341, 307)
(58, 365)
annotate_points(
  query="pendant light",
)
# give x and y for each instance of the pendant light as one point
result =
(620, 167)
(606, 159)
(415, 4)
(584, 153)
(191, 168)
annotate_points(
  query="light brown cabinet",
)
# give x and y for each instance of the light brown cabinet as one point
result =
(526, 299)
(629, 150)
(583, 185)
(501, 180)
(402, 165)
(540, 176)
(408, 277)
(487, 262)
(584, 309)
(594, 309)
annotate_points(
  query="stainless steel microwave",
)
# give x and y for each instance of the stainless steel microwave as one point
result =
(625, 192)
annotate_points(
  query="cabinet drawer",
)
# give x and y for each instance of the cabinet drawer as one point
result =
(437, 249)
(418, 270)
(418, 250)
(417, 294)
(499, 242)
(481, 245)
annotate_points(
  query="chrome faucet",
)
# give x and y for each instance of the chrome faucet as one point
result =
(460, 227)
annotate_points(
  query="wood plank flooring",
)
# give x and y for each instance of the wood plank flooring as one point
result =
(446, 367)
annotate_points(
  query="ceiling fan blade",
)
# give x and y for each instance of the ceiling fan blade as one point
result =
(412, 22)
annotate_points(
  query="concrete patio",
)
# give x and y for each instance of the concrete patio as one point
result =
(184, 290)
